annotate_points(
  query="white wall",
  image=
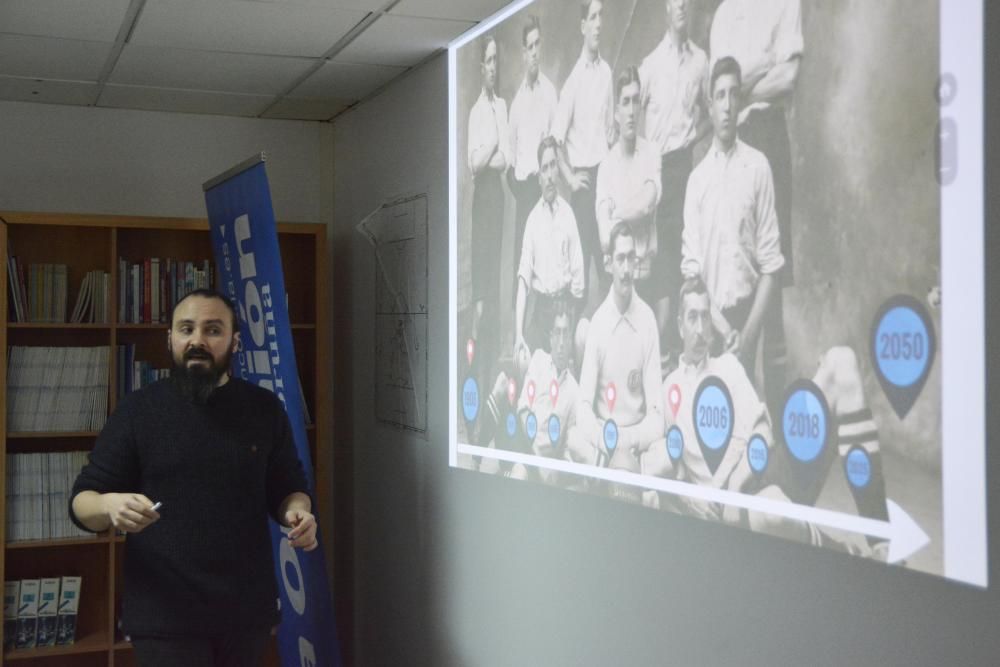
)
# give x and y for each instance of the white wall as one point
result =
(93, 160)
(458, 568)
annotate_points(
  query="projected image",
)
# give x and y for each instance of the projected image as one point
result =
(697, 263)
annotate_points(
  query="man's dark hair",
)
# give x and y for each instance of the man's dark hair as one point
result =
(209, 294)
(485, 44)
(619, 230)
(627, 76)
(547, 142)
(530, 25)
(585, 8)
(562, 305)
(725, 65)
(692, 285)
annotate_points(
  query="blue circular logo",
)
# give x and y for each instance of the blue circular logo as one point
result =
(805, 421)
(675, 443)
(713, 414)
(470, 400)
(554, 429)
(902, 346)
(757, 453)
(858, 467)
(610, 434)
(531, 426)
(511, 425)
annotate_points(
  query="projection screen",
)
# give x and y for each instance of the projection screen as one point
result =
(700, 253)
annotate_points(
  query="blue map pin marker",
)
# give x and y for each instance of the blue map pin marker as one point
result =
(805, 421)
(713, 420)
(675, 443)
(470, 399)
(806, 425)
(610, 435)
(511, 425)
(858, 467)
(902, 348)
(531, 426)
(555, 428)
(757, 453)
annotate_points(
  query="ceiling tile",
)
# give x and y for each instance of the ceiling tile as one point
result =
(345, 81)
(357, 5)
(401, 41)
(94, 20)
(467, 10)
(49, 58)
(183, 101)
(200, 70)
(46, 91)
(289, 109)
(238, 26)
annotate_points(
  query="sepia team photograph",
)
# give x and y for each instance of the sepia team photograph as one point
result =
(698, 261)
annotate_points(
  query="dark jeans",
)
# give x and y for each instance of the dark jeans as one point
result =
(774, 351)
(242, 648)
(767, 131)
(526, 195)
(583, 202)
(675, 168)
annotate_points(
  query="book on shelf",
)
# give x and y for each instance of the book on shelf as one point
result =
(41, 612)
(69, 603)
(92, 303)
(135, 373)
(38, 494)
(48, 609)
(38, 294)
(11, 589)
(149, 288)
(27, 614)
(57, 388)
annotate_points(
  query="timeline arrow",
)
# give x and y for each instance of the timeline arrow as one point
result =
(905, 536)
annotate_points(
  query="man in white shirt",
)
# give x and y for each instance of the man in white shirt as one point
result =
(531, 115)
(749, 415)
(551, 265)
(785, 476)
(583, 128)
(673, 120)
(489, 146)
(544, 410)
(730, 236)
(620, 373)
(628, 188)
(765, 38)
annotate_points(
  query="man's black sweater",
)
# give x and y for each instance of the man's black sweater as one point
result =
(206, 567)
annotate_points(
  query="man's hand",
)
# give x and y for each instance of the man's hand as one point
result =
(303, 533)
(733, 342)
(130, 512)
(579, 181)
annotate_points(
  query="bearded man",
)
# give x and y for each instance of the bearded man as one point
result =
(217, 455)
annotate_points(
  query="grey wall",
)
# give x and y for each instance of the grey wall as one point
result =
(459, 568)
(115, 161)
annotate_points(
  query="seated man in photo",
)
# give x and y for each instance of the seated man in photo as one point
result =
(785, 478)
(620, 374)
(546, 395)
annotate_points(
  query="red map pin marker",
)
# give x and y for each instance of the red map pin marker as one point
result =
(511, 390)
(610, 394)
(554, 392)
(470, 350)
(531, 393)
(674, 398)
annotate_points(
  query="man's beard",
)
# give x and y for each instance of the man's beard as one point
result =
(196, 383)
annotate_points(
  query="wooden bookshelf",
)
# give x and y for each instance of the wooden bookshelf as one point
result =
(95, 242)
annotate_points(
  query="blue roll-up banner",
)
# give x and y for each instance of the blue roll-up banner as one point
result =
(245, 243)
